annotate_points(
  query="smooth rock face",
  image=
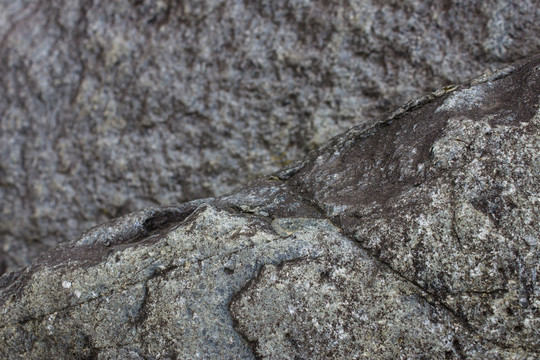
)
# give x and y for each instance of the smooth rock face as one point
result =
(108, 107)
(415, 237)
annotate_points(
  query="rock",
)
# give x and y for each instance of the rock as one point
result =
(414, 237)
(109, 107)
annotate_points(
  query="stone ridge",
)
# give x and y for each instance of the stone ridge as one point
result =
(416, 237)
(112, 106)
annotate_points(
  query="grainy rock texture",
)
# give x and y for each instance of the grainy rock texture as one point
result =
(108, 107)
(415, 237)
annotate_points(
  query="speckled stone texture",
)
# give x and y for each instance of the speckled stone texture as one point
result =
(113, 106)
(414, 237)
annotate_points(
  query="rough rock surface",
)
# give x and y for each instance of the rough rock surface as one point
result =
(108, 107)
(415, 237)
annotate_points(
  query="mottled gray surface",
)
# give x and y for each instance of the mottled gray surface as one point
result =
(415, 237)
(108, 107)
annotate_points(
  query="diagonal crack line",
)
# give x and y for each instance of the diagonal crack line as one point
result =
(41, 317)
(435, 301)
(109, 292)
(159, 272)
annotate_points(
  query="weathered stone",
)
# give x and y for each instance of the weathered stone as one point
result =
(108, 107)
(414, 237)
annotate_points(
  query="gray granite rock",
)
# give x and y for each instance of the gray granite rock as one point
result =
(108, 107)
(414, 237)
